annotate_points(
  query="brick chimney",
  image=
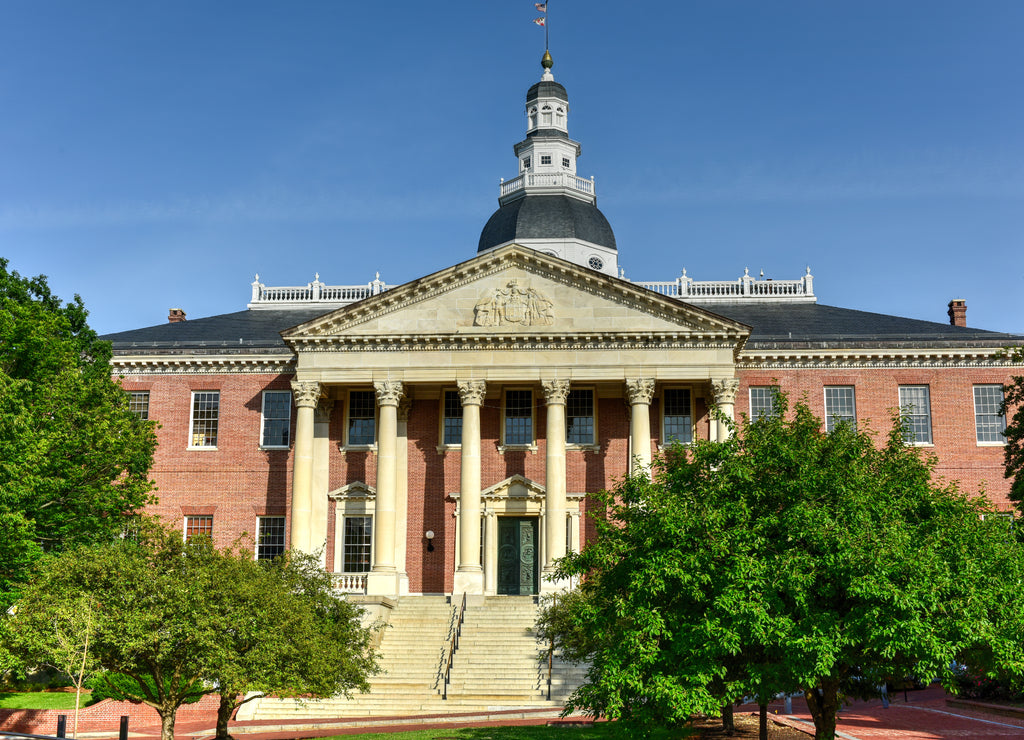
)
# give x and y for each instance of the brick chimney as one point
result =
(176, 316)
(957, 312)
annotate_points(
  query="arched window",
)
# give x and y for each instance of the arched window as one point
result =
(545, 115)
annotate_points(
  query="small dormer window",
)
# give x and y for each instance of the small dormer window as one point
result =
(526, 163)
(565, 163)
(545, 159)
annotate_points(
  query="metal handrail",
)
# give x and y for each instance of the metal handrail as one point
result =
(452, 647)
(551, 649)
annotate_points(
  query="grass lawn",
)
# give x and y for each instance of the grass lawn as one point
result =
(601, 731)
(40, 700)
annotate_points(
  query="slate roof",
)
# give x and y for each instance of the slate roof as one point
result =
(775, 326)
(546, 217)
(547, 89)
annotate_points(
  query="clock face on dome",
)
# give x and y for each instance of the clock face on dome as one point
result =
(595, 263)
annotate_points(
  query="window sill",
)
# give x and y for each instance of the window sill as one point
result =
(277, 448)
(918, 444)
(515, 448)
(583, 448)
(441, 449)
(358, 448)
(204, 448)
(991, 444)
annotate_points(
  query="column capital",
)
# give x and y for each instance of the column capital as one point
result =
(640, 390)
(725, 390)
(555, 391)
(307, 393)
(389, 392)
(472, 392)
(404, 407)
(322, 412)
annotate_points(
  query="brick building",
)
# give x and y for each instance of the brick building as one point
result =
(441, 436)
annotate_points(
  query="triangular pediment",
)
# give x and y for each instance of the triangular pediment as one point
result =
(513, 292)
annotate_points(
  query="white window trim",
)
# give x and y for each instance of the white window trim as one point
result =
(663, 440)
(824, 399)
(931, 427)
(192, 420)
(532, 445)
(592, 445)
(750, 400)
(441, 444)
(372, 447)
(184, 524)
(263, 421)
(259, 520)
(974, 402)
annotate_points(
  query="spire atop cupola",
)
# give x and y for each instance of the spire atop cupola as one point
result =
(548, 207)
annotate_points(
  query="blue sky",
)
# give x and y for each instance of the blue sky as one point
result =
(158, 154)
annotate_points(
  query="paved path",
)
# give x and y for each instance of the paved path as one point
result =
(922, 716)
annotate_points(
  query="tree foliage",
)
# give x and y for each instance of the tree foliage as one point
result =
(75, 459)
(1013, 401)
(786, 559)
(173, 620)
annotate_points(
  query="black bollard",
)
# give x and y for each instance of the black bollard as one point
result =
(122, 733)
(62, 725)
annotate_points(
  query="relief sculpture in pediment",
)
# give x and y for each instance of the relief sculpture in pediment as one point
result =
(514, 305)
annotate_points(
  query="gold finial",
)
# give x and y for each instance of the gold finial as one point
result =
(547, 62)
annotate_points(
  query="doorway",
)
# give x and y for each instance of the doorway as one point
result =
(518, 569)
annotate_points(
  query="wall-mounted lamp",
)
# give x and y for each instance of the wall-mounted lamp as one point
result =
(430, 540)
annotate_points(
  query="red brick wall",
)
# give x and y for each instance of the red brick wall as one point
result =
(877, 397)
(104, 716)
(239, 482)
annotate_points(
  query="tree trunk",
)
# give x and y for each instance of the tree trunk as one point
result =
(224, 711)
(824, 705)
(728, 724)
(762, 722)
(167, 722)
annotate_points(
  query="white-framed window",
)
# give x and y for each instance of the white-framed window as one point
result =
(545, 159)
(560, 116)
(451, 418)
(277, 419)
(138, 403)
(840, 406)
(545, 117)
(916, 414)
(198, 526)
(580, 424)
(762, 401)
(518, 418)
(526, 163)
(205, 417)
(356, 544)
(270, 537)
(361, 424)
(989, 424)
(677, 416)
(566, 163)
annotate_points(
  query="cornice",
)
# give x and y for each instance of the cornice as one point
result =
(878, 358)
(518, 342)
(205, 364)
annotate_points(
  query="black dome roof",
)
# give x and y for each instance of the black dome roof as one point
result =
(546, 89)
(546, 217)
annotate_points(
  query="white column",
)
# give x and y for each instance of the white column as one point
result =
(639, 393)
(402, 496)
(724, 390)
(307, 395)
(555, 394)
(490, 553)
(382, 579)
(469, 576)
(321, 475)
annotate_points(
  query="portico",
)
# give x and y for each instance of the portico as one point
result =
(498, 347)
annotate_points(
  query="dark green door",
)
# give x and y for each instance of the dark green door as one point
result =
(517, 556)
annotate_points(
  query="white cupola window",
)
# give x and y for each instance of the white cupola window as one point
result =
(533, 117)
(545, 115)
(560, 117)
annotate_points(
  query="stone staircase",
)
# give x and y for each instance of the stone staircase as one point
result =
(498, 665)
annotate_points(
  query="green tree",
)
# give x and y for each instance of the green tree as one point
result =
(1013, 400)
(287, 634)
(75, 459)
(173, 620)
(788, 559)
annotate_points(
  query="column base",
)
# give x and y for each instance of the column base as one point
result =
(382, 583)
(469, 581)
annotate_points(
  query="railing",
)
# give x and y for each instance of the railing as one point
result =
(745, 287)
(314, 292)
(350, 583)
(547, 180)
(551, 648)
(452, 647)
